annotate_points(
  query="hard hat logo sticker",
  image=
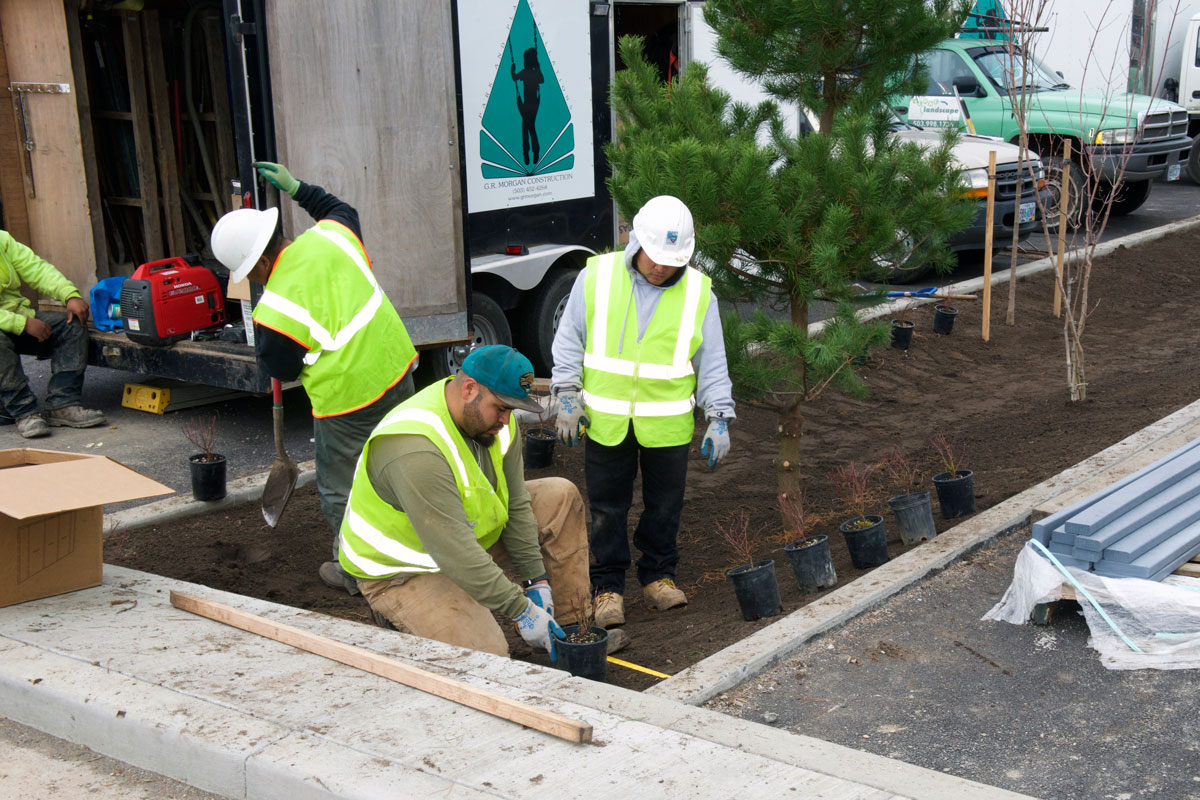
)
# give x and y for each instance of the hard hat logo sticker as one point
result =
(526, 130)
(672, 237)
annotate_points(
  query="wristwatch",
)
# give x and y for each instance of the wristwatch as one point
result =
(543, 577)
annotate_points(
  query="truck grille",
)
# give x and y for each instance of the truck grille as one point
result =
(1006, 184)
(1164, 125)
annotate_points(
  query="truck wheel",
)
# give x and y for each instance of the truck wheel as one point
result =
(488, 326)
(1054, 188)
(1193, 161)
(545, 313)
(1127, 199)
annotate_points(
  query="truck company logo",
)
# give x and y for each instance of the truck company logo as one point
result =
(526, 127)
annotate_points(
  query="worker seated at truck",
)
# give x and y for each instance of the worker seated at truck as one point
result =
(440, 512)
(325, 320)
(60, 336)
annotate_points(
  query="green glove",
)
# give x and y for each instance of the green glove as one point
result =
(278, 176)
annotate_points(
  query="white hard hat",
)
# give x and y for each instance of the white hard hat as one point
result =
(664, 230)
(240, 237)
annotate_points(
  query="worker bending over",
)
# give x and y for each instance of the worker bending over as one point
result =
(322, 318)
(638, 346)
(61, 336)
(440, 510)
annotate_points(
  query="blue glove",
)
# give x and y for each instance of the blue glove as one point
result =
(571, 421)
(539, 593)
(716, 441)
(538, 628)
(278, 176)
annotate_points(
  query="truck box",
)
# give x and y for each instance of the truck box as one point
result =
(50, 519)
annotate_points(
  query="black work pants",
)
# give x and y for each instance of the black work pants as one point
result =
(67, 349)
(610, 472)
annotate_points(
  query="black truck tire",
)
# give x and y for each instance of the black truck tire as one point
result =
(545, 312)
(1193, 161)
(1054, 180)
(488, 326)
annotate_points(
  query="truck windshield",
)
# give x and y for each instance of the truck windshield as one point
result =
(1007, 70)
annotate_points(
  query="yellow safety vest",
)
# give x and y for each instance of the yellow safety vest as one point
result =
(650, 381)
(357, 345)
(377, 541)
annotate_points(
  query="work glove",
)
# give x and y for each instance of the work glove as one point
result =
(278, 176)
(539, 593)
(537, 627)
(716, 441)
(571, 421)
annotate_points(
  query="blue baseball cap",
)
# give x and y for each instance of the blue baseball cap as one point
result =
(505, 372)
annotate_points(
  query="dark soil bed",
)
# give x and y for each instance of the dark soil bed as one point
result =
(1003, 402)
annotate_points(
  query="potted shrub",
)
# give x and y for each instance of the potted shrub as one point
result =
(809, 555)
(943, 318)
(753, 581)
(911, 508)
(539, 443)
(207, 467)
(584, 649)
(955, 487)
(864, 534)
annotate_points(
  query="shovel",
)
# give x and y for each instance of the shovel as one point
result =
(282, 478)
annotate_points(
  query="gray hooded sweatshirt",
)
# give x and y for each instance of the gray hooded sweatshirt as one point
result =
(713, 388)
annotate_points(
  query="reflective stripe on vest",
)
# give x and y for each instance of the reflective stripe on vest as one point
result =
(377, 540)
(651, 381)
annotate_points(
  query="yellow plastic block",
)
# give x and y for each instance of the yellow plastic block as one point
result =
(140, 397)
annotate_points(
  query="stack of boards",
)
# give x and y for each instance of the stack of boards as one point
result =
(1144, 526)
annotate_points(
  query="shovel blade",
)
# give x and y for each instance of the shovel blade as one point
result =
(278, 489)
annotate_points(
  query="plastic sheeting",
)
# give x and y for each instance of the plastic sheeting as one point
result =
(1160, 619)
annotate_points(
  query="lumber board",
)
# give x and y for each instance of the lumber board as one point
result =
(143, 141)
(164, 139)
(475, 697)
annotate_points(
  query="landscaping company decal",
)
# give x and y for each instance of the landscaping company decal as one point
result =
(527, 102)
(932, 111)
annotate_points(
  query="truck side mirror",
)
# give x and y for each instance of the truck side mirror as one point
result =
(1058, 72)
(968, 86)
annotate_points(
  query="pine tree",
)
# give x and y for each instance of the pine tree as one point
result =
(783, 219)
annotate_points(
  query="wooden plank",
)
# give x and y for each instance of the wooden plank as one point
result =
(12, 182)
(164, 140)
(37, 49)
(471, 696)
(131, 27)
(83, 104)
(222, 132)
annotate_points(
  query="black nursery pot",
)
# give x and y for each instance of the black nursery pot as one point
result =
(943, 319)
(539, 447)
(208, 477)
(757, 590)
(587, 660)
(956, 493)
(914, 516)
(867, 546)
(902, 333)
(811, 563)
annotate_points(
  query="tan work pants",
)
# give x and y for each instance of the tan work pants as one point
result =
(433, 606)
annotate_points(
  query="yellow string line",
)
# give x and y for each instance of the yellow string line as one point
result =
(646, 670)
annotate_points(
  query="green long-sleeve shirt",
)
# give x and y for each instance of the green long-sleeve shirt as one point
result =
(410, 473)
(20, 265)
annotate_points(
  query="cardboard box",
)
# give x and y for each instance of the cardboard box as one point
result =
(50, 519)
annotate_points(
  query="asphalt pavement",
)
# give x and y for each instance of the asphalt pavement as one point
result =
(157, 446)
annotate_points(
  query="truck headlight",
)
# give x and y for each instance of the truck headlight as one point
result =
(975, 182)
(1117, 136)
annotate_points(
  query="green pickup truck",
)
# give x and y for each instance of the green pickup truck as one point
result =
(1145, 135)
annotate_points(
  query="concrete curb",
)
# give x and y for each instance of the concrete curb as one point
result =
(243, 490)
(770, 645)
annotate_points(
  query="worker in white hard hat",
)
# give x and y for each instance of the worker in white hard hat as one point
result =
(325, 320)
(638, 347)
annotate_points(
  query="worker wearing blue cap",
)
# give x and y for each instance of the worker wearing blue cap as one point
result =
(439, 511)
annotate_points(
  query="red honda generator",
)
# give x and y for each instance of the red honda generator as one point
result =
(164, 301)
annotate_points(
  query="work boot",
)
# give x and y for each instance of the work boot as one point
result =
(33, 426)
(74, 417)
(610, 609)
(663, 594)
(617, 640)
(333, 576)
